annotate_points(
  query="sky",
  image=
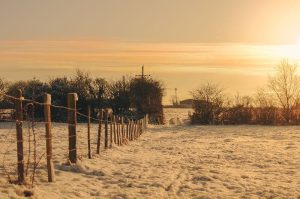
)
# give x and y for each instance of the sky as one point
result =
(183, 43)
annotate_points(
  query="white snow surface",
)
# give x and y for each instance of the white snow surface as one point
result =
(171, 161)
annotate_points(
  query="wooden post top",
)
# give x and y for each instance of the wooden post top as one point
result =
(47, 98)
(73, 95)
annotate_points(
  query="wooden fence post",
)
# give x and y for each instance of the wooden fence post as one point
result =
(141, 127)
(72, 120)
(99, 131)
(47, 115)
(111, 130)
(89, 133)
(114, 127)
(19, 122)
(118, 130)
(143, 123)
(138, 128)
(127, 129)
(146, 120)
(106, 130)
(135, 129)
(122, 130)
(133, 126)
(131, 129)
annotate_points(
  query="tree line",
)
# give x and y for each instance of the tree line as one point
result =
(131, 97)
(277, 103)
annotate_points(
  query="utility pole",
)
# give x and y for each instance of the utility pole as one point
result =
(124, 83)
(176, 99)
(143, 74)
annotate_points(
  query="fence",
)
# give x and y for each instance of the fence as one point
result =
(39, 142)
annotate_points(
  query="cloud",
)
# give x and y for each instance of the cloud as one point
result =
(223, 61)
(98, 55)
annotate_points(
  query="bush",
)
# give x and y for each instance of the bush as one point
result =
(131, 97)
(120, 100)
(146, 95)
(208, 104)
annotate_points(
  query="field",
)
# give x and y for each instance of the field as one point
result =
(171, 161)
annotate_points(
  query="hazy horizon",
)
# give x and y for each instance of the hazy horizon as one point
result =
(236, 44)
(237, 67)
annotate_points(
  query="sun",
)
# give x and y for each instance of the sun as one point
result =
(298, 40)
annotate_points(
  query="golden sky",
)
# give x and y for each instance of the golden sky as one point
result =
(183, 43)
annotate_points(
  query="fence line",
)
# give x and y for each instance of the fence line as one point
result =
(118, 130)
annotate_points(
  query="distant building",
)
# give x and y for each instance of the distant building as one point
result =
(188, 103)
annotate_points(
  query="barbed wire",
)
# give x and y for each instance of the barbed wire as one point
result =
(117, 133)
(32, 102)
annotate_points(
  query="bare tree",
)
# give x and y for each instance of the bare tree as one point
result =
(208, 103)
(285, 85)
(241, 110)
(265, 107)
(2, 85)
(3, 89)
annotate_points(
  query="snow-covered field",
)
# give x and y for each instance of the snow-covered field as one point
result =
(172, 161)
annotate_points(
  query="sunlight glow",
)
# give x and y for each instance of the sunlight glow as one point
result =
(298, 40)
(288, 51)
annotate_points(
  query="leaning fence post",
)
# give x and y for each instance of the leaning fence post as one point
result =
(131, 130)
(72, 98)
(19, 121)
(106, 130)
(47, 115)
(89, 133)
(99, 131)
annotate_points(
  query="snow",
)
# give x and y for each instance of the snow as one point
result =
(177, 116)
(171, 161)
